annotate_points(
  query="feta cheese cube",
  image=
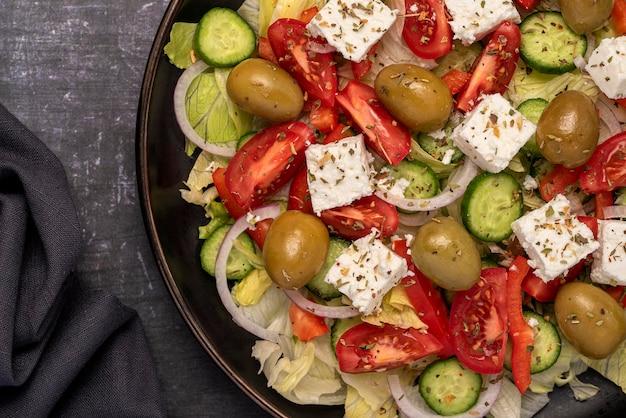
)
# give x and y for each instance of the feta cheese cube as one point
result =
(366, 271)
(607, 67)
(338, 173)
(609, 261)
(492, 133)
(553, 238)
(352, 27)
(473, 19)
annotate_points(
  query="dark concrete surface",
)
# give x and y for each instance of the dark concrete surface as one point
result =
(71, 71)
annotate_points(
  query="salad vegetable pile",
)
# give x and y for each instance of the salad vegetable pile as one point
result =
(417, 206)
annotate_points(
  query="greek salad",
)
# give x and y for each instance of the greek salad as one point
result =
(417, 206)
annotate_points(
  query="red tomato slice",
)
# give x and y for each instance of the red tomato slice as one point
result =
(602, 200)
(265, 50)
(315, 72)
(323, 118)
(426, 30)
(456, 80)
(341, 131)
(359, 69)
(260, 231)
(307, 15)
(367, 348)
(618, 15)
(386, 136)
(606, 169)
(426, 301)
(527, 5)
(493, 69)
(557, 180)
(478, 322)
(306, 325)
(299, 195)
(522, 334)
(360, 217)
(267, 162)
(618, 293)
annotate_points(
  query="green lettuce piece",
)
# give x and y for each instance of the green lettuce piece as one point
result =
(369, 396)
(509, 402)
(211, 112)
(248, 291)
(178, 49)
(612, 367)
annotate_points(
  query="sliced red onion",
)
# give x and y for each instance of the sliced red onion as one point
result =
(616, 211)
(417, 408)
(618, 111)
(321, 310)
(609, 120)
(180, 93)
(416, 219)
(455, 189)
(580, 63)
(319, 47)
(240, 225)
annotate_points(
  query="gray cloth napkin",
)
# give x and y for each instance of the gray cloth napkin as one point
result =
(65, 349)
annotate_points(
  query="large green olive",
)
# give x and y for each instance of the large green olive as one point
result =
(446, 253)
(295, 248)
(568, 129)
(584, 16)
(591, 320)
(264, 89)
(415, 96)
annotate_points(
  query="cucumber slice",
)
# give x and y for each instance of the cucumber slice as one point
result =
(237, 265)
(547, 347)
(422, 180)
(223, 38)
(340, 326)
(532, 109)
(490, 204)
(317, 285)
(449, 388)
(548, 44)
(439, 147)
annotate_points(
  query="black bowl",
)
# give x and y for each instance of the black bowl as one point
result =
(171, 225)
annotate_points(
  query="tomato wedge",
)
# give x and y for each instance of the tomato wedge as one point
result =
(267, 162)
(299, 195)
(306, 325)
(426, 30)
(493, 69)
(602, 200)
(478, 320)
(315, 71)
(522, 334)
(359, 69)
(606, 169)
(527, 5)
(426, 300)
(357, 219)
(618, 15)
(367, 348)
(557, 180)
(456, 80)
(323, 118)
(383, 134)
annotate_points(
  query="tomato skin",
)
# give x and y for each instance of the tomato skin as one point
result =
(493, 69)
(602, 200)
(265, 50)
(267, 162)
(618, 293)
(426, 30)
(306, 325)
(383, 134)
(557, 180)
(606, 169)
(522, 335)
(426, 300)
(456, 80)
(618, 15)
(367, 348)
(357, 219)
(341, 131)
(478, 320)
(323, 118)
(316, 72)
(527, 5)
(299, 194)
(359, 69)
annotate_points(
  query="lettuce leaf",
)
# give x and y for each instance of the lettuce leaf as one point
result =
(397, 310)
(612, 367)
(509, 402)
(179, 47)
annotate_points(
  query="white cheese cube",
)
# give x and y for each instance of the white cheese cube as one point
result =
(554, 239)
(366, 271)
(609, 261)
(607, 67)
(352, 27)
(338, 173)
(492, 133)
(473, 19)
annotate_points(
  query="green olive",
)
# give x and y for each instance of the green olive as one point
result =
(264, 89)
(446, 253)
(584, 16)
(568, 129)
(591, 320)
(415, 96)
(295, 248)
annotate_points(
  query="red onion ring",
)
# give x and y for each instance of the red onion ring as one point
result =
(416, 219)
(319, 47)
(180, 93)
(616, 211)
(240, 225)
(321, 310)
(609, 119)
(455, 189)
(419, 409)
